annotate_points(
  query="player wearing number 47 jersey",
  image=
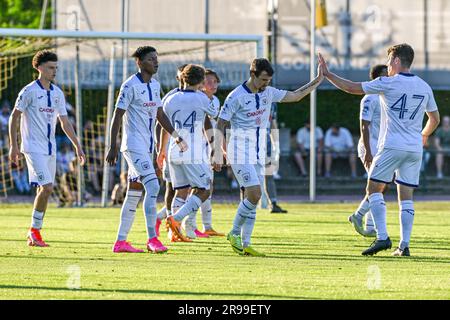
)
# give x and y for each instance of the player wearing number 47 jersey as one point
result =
(405, 98)
(247, 109)
(139, 105)
(38, 106)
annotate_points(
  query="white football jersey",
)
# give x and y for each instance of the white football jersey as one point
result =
(168, 94)
(370, 110)
(186, 110)
(40, 109)
(249, 115)
(215, 101)
(404, 100)
(141, 101)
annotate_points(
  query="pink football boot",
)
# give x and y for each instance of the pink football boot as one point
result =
(124, 246)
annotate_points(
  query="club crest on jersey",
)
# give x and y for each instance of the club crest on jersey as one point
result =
(264, 101)
(246, 176)
(145, 165)
(40, 176)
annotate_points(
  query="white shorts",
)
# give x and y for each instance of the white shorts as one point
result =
(184, 175)
(166, 173)
(404, 164)
(248, 175)
(41, 168)
(139, 164)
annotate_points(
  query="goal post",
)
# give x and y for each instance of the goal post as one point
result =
(84, 74)
(42, 33)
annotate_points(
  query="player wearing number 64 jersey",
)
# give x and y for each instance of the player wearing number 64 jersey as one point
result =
(404, 99)
(187, 110)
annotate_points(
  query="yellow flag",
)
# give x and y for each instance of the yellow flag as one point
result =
(321, 14)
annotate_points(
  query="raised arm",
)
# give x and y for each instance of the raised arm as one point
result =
(14, 125)
(300, 93)
(340, 83)
(67, 127)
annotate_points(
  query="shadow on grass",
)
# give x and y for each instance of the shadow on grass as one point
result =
(334, 257)
(159, 292)
(62, 241)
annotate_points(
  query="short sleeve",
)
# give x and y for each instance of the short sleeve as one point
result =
(376, 86)
(300, 136)
(23, 100)
(328, 138)
(229, 108)
(349, 138)
(168, 94)
(431, 105)
(62, 110)
(210, 107)
(125, 97)
(319, 133)
(277, 94)
(157, 96)
(366, 109)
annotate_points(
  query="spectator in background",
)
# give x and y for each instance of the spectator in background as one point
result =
(303, 148)
(63, 157)
(69, 187)
(93, 143)
(120, 190)
(339, 144)
(20, 178)
(5, 112)
(442, 144)
(60, 137)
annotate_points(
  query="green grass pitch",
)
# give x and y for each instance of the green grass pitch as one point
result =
(313, 253)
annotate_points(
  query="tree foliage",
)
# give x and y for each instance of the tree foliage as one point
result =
(23, 14)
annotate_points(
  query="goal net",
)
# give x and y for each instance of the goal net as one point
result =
(228, 55)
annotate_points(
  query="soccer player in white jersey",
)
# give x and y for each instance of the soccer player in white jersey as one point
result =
(163, 138)
(38, 106)
(369, 117)
(174, 199)
(210, 87)
(247, 108)
(187, 110)
(405, 98)
(139, 106)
